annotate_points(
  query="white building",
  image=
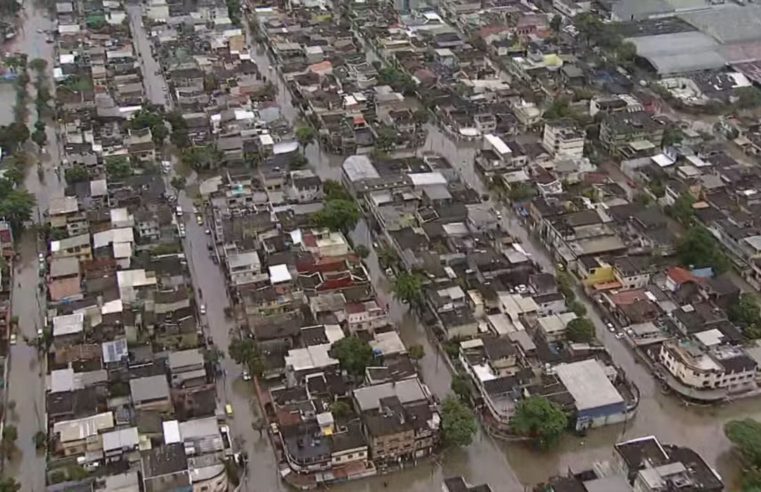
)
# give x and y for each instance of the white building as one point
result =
(564, 138)
(722, 367)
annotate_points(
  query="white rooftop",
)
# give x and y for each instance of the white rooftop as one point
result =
(68, 324)
(427, 179)
(588, 384)
(279, 273)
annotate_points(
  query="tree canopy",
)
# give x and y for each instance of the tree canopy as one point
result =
(13, 136)
(334, 190)
(397, 79)
(580, 330)
(699, 249)
(408, 288)
(118, 167)
(77, 174)
(338, 215)
(353, 354)
(246, 352)
(305, 135)
(416, 352)
(16, 205)
(201, 158)
(153, 119)
(9, 484)
(746, 313)
(745, 436)
(540, 419)
(458, 425)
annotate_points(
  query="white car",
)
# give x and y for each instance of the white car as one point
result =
(179, 211)
(202, 309)
(207, 232)
(246, 376)
(199, 220)
(40, 332)
(41, 257)
(13, 339)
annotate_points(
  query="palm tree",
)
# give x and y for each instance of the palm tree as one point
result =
(305, 135)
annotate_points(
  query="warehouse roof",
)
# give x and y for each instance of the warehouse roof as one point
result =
(679, 52)
(588, 384)
(730, 24)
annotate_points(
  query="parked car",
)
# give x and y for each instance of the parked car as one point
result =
(202, 309)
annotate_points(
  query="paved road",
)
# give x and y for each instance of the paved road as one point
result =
(211, 291)
(25, 379)
(155, 85)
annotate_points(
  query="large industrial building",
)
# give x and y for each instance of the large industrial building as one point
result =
(684, 36)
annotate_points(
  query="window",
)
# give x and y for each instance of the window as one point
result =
(350, 455)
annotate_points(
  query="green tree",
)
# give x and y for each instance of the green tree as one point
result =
(699, 249)
(746, 314)
(387, 256)
(362, 251)
(334, 190)
(40, 440)
(540, 419)
(683, 210)
(118, 167)
(201, 158)
(421, 116)
(10, 434)
(150, 118)
(16, 206)
(398, 80)
(340, 409)
(305, 135)
(626, 52)
(38, 64)
(520, 192)
(386, 138)
(565, 285)
(298, 161)
(39, 136)
(178, 183)
(461, 386)
(245, 352)
(338, 215)
(13, 136)
(458, 425)
(416, 352)
(578, 308)
(213, 355)
(559, 108)
(76, 174)
(745, 436)
(408, 289)
(671, 136)
(9, 484)
(580, 330)
(353, 354)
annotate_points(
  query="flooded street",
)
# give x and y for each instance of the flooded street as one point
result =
(209, 280)
(26, 378)
(700, 428)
